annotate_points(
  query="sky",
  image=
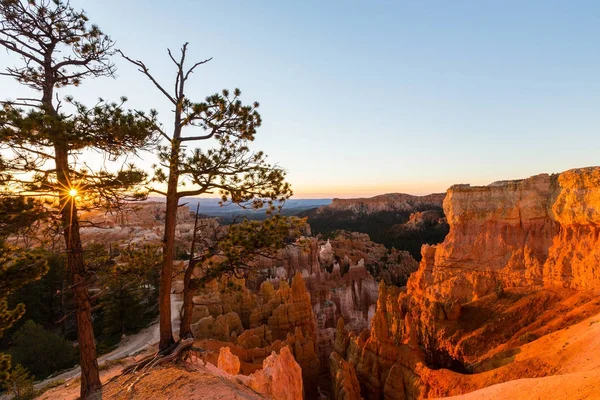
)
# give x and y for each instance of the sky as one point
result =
(364, 98)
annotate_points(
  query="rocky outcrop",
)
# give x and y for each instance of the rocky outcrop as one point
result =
(270, 319)
(228, 362)
(520, 256)
(294, 312)
(544, 230)
(279, 378)
(343, 379)
(225, 327)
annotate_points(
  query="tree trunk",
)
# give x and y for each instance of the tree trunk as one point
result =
(166, 273)
(90, 378)
(188, 287)
(188, 305)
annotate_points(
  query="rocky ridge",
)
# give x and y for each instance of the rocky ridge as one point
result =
(396, 220)
(386, 202)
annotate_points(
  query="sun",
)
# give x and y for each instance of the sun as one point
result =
(73, 192)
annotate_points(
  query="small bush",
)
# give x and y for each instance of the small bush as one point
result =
(20, 384)
(499, 289)
(528, 337)
(40, 351)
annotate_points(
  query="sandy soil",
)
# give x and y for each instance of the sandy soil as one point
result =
(174, 382)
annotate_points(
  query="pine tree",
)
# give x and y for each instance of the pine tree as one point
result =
(17, 266)
(41, 351)
(230, 168)
(20, 384)
(42, 135)
(233, 252)
(130, 290)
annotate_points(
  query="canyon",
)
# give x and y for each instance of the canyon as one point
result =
(398, 220)
(506, 306)
(329, 280)
(520, 264)
(519, 267)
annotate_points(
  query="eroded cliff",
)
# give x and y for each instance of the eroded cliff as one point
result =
(544, 230)
(522, 260)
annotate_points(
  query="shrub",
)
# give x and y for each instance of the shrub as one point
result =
(40, 351)
(20, 384)
(528, 337)
(499, 289)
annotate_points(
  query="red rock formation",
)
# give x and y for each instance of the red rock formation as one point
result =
(502, 271)
(276, 319)
(539, 231)
(228, 362)
(344, 380)
(294, 312)
(279, 378)
(277, 311)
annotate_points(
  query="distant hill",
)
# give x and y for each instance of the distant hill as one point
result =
(211, 207)
(395, 220)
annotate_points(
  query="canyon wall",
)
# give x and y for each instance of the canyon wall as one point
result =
(520, 255)
(544, 230)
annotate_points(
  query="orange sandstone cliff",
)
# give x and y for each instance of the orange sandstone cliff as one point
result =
(539, 231)
(521, 261)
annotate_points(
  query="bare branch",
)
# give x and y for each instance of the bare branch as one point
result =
(143, 69)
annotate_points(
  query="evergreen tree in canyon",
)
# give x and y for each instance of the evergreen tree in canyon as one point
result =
(225, 165)
(233, 251)
(44, 138)
(17, 267)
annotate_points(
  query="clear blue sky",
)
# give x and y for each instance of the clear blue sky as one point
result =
(361, 98)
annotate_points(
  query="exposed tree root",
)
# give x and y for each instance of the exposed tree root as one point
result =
(143, 367)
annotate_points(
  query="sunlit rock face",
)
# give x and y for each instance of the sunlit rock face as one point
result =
(279, 378)
(537, 240)
(270, 320)
(544, 230)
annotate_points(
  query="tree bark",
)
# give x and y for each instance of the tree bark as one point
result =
(166, 273)
(90, 378)
(91, 387)
(188, 306)
(185, 330)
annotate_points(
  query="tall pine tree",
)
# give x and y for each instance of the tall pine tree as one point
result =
(226, 165)
(44, 136)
